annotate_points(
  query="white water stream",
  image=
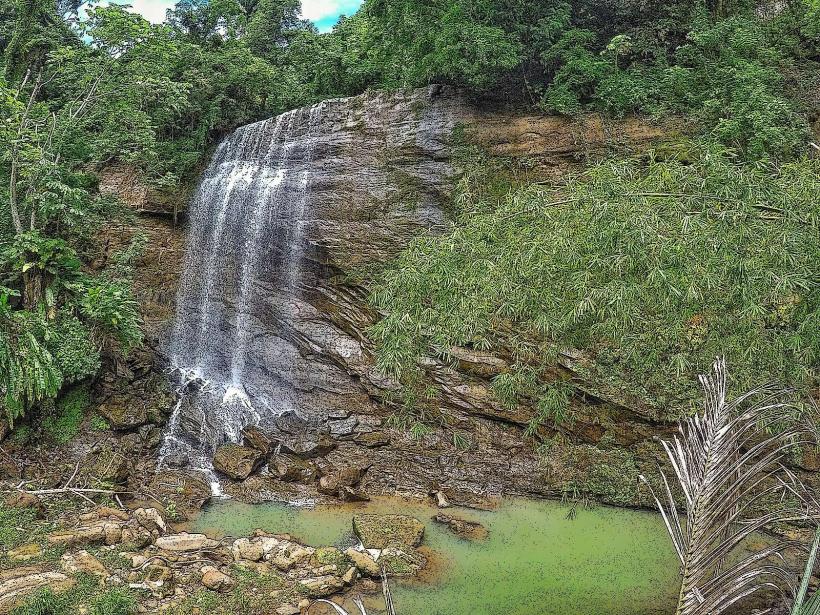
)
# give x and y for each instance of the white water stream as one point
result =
(245, 225)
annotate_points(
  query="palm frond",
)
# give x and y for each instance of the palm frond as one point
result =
(388, 600)
(803, 605)
(339, 609)
(727, 463)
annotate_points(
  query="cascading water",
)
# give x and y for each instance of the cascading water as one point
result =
(245, 242)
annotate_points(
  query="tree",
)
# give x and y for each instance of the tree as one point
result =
(272, 25)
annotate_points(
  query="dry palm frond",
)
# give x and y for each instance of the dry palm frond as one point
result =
(388, 597)
(727, 470)
(388, 600)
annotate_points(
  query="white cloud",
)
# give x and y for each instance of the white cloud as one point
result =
(152, 10)
(316, 10)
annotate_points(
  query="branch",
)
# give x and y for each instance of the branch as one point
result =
(66, 490)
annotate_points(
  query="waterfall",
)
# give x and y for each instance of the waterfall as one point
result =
(244, 241)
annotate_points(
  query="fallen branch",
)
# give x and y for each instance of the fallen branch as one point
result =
(65, 491)
(85, 497)
(73, 476)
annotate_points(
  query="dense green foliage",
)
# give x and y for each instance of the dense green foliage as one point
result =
(728, 64)
(64, 421)
(650, 266)
(82, 90)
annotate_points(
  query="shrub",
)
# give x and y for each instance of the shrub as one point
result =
(650, 266)
(69, 412)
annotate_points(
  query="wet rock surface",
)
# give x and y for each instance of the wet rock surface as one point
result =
(237, 461)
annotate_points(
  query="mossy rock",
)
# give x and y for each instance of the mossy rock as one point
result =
(398, 562)
(381, 531)
(123, 413)
(330, 556)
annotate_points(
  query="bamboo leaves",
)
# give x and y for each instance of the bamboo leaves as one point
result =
(650, 288)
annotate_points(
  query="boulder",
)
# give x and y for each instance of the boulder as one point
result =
(122, 413)
(113, 533)
(25, 552)
(20, 582)
(292, 469)
(441, 499)
(93, 533)
(342, 427)
(21, 499)
(350, 476)
(185, 542)
(256, 438)
(463, 528)
(341, 483)
(215, 580)
(353, 494)
(329, 557)
(136, 537)
(156, 572)
(83, 562)
(244, 548)
(150, 519)
(381, 531)
(329, 485)
(237, 461)
(290, 422)
(350, 576)
(364, 562)
(399, 561)
(308, 446)
(112, 513)
(188, 491)
(321, 586)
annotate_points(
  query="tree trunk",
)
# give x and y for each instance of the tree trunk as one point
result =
(15, 212)
(32, 288)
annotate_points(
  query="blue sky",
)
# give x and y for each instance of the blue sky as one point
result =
(324, 13)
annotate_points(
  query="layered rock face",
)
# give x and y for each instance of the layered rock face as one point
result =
(290, 213)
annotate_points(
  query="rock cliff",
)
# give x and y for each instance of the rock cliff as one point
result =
(381, 172)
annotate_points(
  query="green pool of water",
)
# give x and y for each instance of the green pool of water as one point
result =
(536, 561)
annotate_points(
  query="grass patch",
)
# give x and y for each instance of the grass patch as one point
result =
(98, 423)
(16, 526)
(85, 593)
